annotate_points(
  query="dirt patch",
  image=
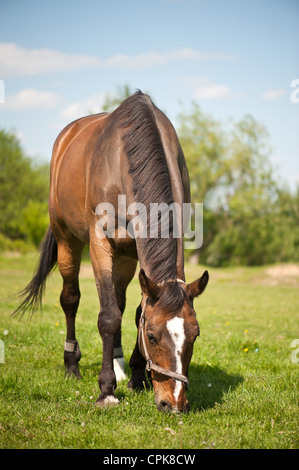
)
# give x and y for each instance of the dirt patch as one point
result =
(11, 254)
(282, 274)
(289, 270)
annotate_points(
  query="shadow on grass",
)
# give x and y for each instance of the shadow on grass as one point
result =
(208, 385)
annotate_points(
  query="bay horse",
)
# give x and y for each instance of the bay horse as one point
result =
(133, 151)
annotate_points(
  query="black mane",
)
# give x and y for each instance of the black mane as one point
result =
(151, 181)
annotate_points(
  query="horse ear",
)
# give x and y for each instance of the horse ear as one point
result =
(197, 287)
(148, 287)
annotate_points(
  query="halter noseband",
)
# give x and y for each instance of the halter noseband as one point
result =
(150, 365)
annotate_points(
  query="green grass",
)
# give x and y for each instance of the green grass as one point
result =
(243, 384)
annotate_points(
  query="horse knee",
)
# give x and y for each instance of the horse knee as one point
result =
(69, 300)
(109, 320)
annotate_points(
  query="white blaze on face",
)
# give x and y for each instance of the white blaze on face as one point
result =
(175, 327)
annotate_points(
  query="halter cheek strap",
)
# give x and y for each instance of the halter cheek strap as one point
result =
(150, 365)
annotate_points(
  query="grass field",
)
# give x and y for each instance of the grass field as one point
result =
(243, 376)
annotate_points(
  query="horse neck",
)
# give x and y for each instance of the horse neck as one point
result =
(150, 261)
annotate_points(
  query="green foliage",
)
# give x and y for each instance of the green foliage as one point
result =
(35, 221)
(203, 143)
(20, 246)
(248, 218)
(24, 189)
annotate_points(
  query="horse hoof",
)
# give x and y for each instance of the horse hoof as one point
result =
(138, 381)
(109, 400)
(73, 372)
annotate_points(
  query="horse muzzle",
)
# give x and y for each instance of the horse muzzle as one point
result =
(166, 406)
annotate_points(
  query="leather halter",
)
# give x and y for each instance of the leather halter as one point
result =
(150, 365)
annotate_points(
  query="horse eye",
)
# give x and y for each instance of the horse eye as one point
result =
(151, 338)
(198, 334)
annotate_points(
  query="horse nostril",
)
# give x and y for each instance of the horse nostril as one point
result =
(184, 409)
(165, 406)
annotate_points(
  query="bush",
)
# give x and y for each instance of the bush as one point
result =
(249, 218)
(24, 189)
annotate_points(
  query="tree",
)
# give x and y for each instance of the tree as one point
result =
(23, 186)
(204, 144)
(230, 171)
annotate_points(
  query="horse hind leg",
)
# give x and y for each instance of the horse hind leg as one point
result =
(118, 358)
(137, 363)
(69, 258)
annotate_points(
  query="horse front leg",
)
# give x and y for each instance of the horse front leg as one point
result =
(137, 363)
(109, 319)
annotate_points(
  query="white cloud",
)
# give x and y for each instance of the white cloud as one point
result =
(31, 98)
(75, 110)
(270, 95)
(188, 53)
(204, 89)
(151, 59)
(16, 60)
(210, 91)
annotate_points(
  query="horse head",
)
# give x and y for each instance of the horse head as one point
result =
(167, 331)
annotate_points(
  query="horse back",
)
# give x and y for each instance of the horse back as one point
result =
(68, 174)
(89, 166)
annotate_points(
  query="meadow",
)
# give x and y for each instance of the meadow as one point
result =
(243, 374)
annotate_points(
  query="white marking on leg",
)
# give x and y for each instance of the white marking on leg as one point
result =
(111, 400)
(175, 326)
(119, 368)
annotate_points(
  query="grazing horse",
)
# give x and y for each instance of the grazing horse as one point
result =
(134, 152)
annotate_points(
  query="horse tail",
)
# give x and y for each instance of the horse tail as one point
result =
(33, 293)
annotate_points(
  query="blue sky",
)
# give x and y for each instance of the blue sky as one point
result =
(58, 59)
